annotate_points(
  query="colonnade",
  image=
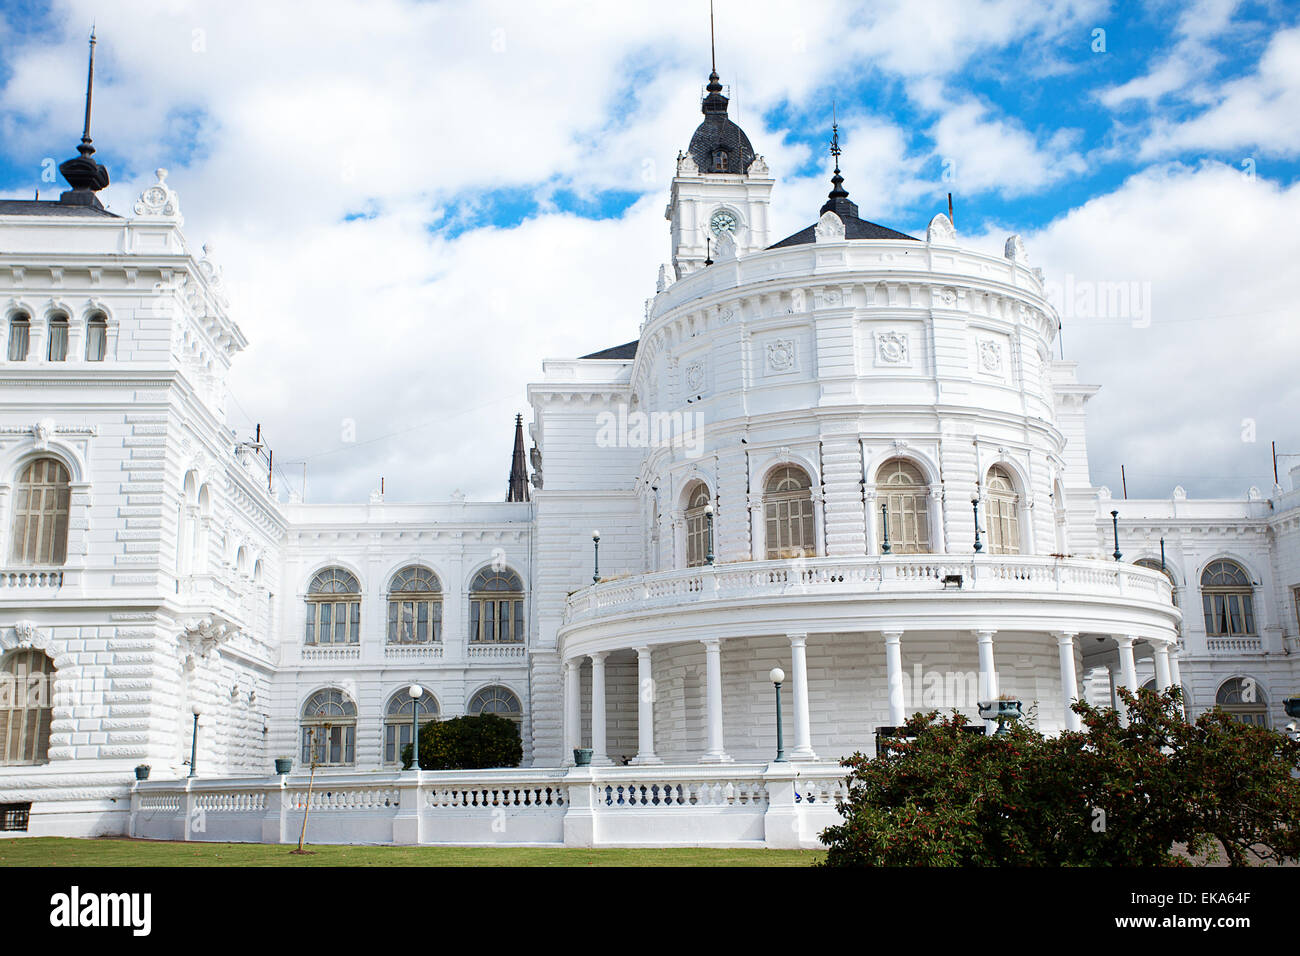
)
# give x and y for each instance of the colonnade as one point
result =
(1166, 667)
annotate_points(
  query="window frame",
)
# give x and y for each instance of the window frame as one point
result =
(497, 692)
(485, 608)
(697, 526)
(1002, 512)
(323, 605)
(340, 728)
(1230, 603)
(18, 693)
(783, 510)
(97, 331)
(17, 321)
(397, 725)
(1239, 710)
(58, 321)
(910, 502)
(52, 524)
(425, 601)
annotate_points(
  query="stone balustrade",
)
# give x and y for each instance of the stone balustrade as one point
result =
(782, 805)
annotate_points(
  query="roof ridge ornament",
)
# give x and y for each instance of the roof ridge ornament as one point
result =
(159, 201)
(837, 200)
(84, 175)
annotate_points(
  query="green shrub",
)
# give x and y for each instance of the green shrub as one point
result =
(1113, 794)
(467, 743)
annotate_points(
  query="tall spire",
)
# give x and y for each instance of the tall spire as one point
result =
(84, 175)
(837, 200)
(713, 43)
(518, 486)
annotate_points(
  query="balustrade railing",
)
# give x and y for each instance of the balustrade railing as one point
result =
(885, 573)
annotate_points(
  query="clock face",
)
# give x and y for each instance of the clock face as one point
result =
(723, 221)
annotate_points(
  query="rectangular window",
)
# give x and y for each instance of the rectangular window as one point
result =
(58, 351)
(18, 332)
(96, 341)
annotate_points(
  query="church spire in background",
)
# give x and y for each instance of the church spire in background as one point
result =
(84, 175)
(518, 487)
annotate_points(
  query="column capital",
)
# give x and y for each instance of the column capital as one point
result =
(711, 643)
(892, 634)
(798, 640)
(985, 634)
(573, 663)
(1124, 640)
(643, 652)
(1065, 637)
(598, 657)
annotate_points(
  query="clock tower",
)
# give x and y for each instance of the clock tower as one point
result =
(722, 191)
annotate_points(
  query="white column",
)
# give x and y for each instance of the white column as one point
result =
(572, 710)
(1110, 677)
(598, 742)
(1069, 679)
(645, 711)
(1128, 671)
(799, 681)
(1174, 672)
(988, 677)
(894, 668)
(715, 752)
(1164, 678)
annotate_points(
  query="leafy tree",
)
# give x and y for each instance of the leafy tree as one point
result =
(468, 743)
(1117, 793)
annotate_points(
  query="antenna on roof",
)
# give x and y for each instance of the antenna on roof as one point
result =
(950, 209)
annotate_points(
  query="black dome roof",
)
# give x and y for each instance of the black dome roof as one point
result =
(718, 132)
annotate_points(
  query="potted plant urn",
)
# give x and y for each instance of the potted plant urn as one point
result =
(582, 756)
(283, 765)
(1004, 710)
(1292, 705)
(142, 772)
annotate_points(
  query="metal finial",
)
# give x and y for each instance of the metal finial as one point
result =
(90, 88)
(713, 46)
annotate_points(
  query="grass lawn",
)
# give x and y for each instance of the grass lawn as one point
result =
(61, 851)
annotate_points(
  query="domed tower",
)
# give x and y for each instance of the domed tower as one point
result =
(721, 193)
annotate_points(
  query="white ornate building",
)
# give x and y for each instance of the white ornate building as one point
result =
(786, 468)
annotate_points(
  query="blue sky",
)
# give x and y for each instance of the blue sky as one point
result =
(426, 168)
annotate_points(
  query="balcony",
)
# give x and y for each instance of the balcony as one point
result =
(872, 592)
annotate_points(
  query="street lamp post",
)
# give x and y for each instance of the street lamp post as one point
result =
(595, 571)
(884, 523)
(777, 676)
(1114, 519)
(416, 692)
(194, 741)
(975, 507)
(708, 516)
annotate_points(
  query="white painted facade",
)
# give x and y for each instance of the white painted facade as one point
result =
(186, 581)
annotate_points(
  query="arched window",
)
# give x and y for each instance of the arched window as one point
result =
(20, 330)
(414, 607)
(397, 722)
(1001, 512)
(58, 349)
(333, 608)
(720, 161)
(788, 508)
(496, 608)
(497, 700)
(25, 707)
(904, 492)
(329, 729)
(41, 503)
(1226, 598)
(96, 337)
(1244, 700)
(697, 527)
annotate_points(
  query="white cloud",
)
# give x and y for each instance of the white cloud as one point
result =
(406, 110)
(1217, 250)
